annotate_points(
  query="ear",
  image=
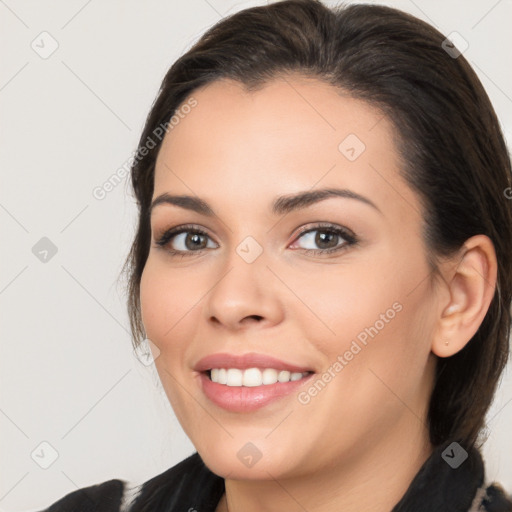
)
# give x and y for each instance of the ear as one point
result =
(471, 285)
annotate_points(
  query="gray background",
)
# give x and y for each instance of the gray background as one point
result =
(68, 122)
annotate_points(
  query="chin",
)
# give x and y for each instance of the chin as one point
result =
(248, 461)
(235, 470)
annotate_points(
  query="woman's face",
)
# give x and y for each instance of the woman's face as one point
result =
(261, 281)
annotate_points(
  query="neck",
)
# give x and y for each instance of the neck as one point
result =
(373, 481)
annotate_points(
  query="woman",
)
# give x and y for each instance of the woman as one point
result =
(337, 339)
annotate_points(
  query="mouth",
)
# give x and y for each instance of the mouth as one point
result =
(244, 391)
(253, 377)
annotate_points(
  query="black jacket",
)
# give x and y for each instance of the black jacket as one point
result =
(191, 486)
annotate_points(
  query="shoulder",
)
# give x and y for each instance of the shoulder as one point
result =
(104, 497)
(491, 498)
(188, 483)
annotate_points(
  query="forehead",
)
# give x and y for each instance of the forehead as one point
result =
(282, 115)
(289, 135)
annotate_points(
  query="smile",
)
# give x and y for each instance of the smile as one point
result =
(253, 377)
(235, 395)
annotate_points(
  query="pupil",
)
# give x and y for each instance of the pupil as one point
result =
(195, 239)
(321, 238)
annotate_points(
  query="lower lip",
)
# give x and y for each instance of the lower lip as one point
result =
(246, 399)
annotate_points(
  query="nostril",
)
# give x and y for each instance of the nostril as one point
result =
(256, 317)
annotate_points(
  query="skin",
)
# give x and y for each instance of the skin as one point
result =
(357, 444)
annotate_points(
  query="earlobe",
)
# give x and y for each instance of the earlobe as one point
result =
(471, 288)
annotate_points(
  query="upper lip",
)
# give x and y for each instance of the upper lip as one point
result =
(244, 361)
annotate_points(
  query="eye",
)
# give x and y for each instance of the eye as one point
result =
(185, 239)
(327, 237)
(188, 239)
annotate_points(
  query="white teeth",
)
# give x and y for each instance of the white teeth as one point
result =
(252, 377)
(269, 376)
(235, 377)
(223, 376)
(283, 376)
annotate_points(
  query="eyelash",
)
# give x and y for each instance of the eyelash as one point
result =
(348, 236)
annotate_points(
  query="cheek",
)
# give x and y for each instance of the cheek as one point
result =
(166, 309)
(380, 318)
(378, 372)
(166, 303)
(393, 367)
(352, 303)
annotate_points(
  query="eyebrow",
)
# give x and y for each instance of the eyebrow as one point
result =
(281, 205)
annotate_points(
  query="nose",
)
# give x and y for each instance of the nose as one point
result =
(247, 294)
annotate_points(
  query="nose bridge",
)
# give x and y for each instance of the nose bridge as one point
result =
(245, 288)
